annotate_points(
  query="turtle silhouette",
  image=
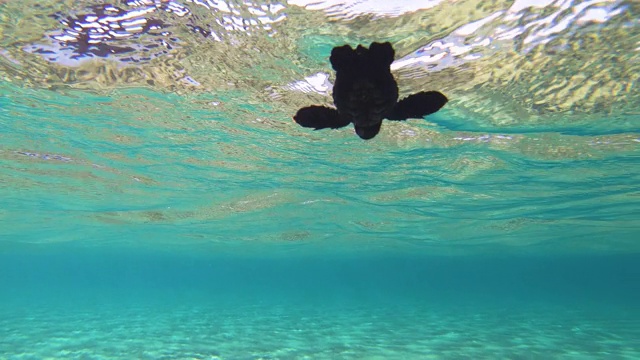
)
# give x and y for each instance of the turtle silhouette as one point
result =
(365, 92)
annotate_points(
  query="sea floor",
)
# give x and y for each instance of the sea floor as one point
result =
(268, 331)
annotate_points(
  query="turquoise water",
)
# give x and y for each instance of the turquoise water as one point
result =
(158, 202)
(141, 304)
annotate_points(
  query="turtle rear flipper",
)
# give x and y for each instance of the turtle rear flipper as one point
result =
(343, 58)
(381, 54)
(320, 117)
(418, 105)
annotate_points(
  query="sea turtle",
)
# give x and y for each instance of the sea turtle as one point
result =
(365, 93)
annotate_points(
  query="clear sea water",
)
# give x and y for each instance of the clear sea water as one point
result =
(158, 202)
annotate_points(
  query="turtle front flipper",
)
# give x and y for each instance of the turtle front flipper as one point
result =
(368, 132)
(418, 105)
(320, 117)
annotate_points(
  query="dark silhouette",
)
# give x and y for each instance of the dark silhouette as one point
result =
(365, 93)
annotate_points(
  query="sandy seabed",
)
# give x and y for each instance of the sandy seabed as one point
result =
(314, 332)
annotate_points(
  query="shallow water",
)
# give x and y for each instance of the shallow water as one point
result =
(111, 304)
(157, 201)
